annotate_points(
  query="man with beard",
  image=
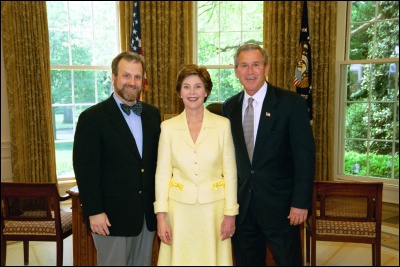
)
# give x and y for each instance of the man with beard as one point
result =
(114, 158)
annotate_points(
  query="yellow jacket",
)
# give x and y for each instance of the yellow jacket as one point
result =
(201, 172)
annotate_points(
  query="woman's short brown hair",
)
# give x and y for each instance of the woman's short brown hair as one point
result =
(193, 69)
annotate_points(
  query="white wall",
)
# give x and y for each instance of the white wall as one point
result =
(6, 173)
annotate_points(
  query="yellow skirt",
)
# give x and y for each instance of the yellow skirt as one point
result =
(196, 239)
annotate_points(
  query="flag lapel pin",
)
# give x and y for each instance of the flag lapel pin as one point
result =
(268, 114)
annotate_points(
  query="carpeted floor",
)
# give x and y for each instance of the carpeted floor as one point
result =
(328, 253)
(390, 238)
(390, 226)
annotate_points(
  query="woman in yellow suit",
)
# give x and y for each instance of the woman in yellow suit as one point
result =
(196, 181)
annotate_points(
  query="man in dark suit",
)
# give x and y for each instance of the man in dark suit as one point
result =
(275, 179)
(115, 158)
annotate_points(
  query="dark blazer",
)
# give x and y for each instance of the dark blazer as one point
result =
(110, 174)
(282, 171)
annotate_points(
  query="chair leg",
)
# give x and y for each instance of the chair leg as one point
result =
(373, 255)
(376, 255)
(3, 252)
(60, 253)
(26, 252)
(313, 252)
(307, 247)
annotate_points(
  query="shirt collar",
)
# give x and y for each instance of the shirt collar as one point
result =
(258, 97)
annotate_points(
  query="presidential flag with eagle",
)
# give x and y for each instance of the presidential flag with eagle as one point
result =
(303, 71)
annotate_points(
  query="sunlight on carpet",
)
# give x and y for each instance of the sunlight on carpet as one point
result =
(390, 237)
(353, 254)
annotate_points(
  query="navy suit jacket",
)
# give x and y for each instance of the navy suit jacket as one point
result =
(282, 172)
(110, 174)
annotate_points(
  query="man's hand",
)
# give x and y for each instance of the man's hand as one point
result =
(297, 216)
(99, 224)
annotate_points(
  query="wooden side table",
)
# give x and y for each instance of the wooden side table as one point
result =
(84, 251)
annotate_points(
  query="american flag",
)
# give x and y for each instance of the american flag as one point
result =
(303, 71)
(296, 81)
(136, 37)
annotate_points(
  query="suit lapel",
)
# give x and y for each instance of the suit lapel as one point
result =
(237, 125)
(266, 118)
(147, 128)
(118, 121)
(208, 123)
(185, 132)
(183, 129)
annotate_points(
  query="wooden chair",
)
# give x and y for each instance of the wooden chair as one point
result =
(31, 212)
(345, 212)
(215, 108)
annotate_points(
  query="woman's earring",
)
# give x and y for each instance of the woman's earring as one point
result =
(206, 95)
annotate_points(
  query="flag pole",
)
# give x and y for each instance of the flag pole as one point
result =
(303, 70)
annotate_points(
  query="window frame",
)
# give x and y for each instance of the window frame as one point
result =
(212, 67)
(391, 186)
(73, 68)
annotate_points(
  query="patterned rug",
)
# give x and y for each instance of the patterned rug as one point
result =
(390, 238)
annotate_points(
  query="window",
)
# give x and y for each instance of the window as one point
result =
(84, 38)
(223, 26)
(367, 97)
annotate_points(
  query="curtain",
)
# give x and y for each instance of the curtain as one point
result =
(167, 39)
(125, 24)
(282, 21)
(27, 67)
(167, 43)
